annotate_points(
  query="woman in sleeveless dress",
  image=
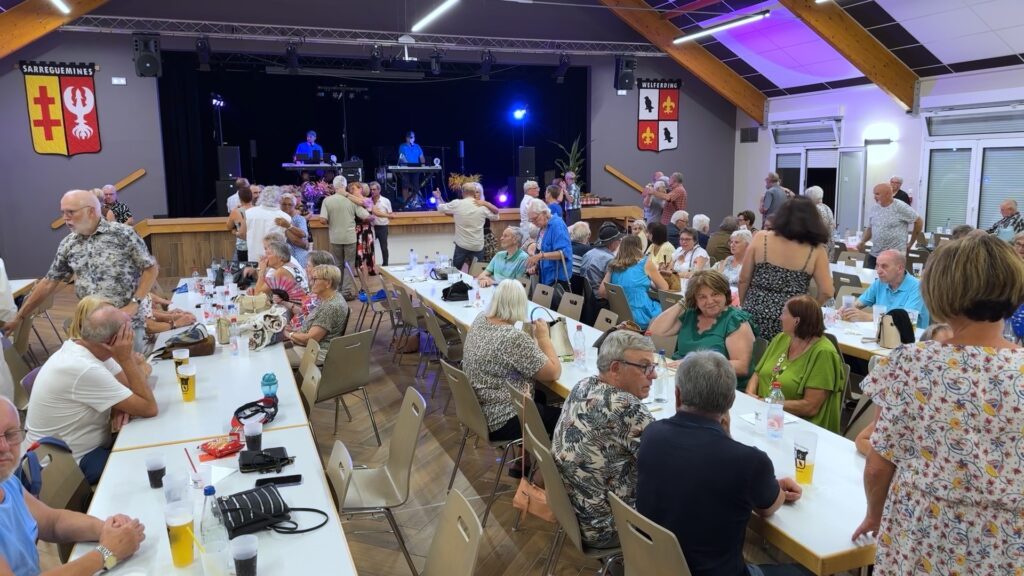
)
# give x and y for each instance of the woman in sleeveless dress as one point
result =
(635, 273)
(780, 264)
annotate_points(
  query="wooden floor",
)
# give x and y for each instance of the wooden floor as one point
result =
(502, 553)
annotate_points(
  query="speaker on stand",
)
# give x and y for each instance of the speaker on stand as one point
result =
(146, 55)
(625, 72)
(229, 164)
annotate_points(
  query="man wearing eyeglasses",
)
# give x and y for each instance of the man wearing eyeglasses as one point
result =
(105, 259)
(597, 437)
(24, 519)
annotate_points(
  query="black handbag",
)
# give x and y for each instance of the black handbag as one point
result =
(443, 273)
(261, 508)
(458, 292)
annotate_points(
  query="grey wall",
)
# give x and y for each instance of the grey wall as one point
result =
(706, 140)
(31, 184)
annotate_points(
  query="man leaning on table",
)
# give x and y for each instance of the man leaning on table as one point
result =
(77, 388)
(893, 288)
(24, 519)
(105, 259)
(702, 485)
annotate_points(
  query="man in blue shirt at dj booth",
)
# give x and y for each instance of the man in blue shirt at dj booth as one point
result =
(894, 288)
(410, 154)
(309, 149)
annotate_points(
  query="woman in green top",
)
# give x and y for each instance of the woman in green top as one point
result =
(807, 365)
(703, 320)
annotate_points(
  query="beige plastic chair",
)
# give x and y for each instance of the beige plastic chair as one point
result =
(477, 268)
(571, 306)
(668, 299)
(666, 343)
(339, 472)
(618, 303)
(846, 255)
(310, 387)
(410, 320)
(916, 257)
(19, 369)
(606, 320)
(448, 344)
(533, 427)
(346, 370)
(848, 291)
(561, 506)
(525, 281)
(760, 345)
(841, 279)
(542, 295)
(21, 343)
(863, 414)
(379, 490)
(456, 542)
(471, 418)
(309, 357)
(63, 485)
(374, 309)
(647, 548)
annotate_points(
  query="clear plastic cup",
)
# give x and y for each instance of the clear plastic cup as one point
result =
(244, 550)
(156, 469)
(175, 487)
(178, 518)
(253, 430)
(805, 445)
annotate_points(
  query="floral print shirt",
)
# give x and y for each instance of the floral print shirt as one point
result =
(108, 263)
(595, 446)
(952, 421)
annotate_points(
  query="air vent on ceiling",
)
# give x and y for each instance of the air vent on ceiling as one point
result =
(818, 131)
(748, 134)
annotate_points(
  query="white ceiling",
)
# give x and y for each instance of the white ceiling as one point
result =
(962, 30)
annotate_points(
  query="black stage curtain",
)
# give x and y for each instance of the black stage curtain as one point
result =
(273, 112)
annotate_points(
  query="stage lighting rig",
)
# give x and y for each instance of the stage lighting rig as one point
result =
(563, 67)
(435, 62)
(376, 58)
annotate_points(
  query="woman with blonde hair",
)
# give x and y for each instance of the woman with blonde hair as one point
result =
(635, 273)
(945, 472)
(638, 228)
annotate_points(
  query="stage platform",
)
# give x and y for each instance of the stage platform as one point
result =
(181, 244)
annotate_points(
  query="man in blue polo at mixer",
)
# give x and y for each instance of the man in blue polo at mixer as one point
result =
(307, 149)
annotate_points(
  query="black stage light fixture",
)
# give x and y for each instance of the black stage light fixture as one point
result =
(435, 62)
(486, 61)
(291, 57)
(563, 67)
(376, 58)
(203, 53)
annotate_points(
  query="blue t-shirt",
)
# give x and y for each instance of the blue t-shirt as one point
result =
(907, 297)
(411, 152)
(308, 149)
(18, 545)
(556, 209)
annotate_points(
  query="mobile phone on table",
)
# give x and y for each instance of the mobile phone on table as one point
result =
(280, 481)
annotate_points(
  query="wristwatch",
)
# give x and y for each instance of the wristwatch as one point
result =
(109, 560)
(136, 300)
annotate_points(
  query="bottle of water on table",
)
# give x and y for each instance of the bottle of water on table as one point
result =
(776, 417)
(579, 347)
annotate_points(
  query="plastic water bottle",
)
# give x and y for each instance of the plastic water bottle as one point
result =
(662, 383)
(214, 536)
(439, 259)
(776, 415)
(195, 279)
(269, 384)
(236, 335)
(412, 258)
(579, 347)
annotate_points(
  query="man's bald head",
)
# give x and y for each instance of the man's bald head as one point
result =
(10, 454)
(883, 193)
(81, 211)
(104, 322)
(79, 199)
(891, 267)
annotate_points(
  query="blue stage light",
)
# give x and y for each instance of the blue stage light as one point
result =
(519, 113)
(502, 198)
(433, 200)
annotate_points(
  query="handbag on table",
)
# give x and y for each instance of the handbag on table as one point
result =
(197, 340)
(558, 331)
(261, 508)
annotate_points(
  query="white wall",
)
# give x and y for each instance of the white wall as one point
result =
(869, 113)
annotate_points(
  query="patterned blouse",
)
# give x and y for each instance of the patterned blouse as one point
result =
(332, 316)
(121, 211)
(595, 445)
(107, 263)
(496, 356)
(952, 421)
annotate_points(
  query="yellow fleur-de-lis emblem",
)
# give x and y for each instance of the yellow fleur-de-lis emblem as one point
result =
(647, 136)
(668, 105)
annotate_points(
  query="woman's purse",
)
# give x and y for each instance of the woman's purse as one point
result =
(259, 509)
(530, 497)
(895, 329)
(197, 340)
(559, 333)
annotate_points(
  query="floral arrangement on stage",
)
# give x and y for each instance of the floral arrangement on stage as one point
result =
(313, 193)
(456, 180)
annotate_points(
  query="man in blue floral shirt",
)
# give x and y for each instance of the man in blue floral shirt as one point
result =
(597, 437)
(104, 258)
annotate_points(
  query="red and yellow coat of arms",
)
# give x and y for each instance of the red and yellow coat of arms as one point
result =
(62, 109)
(657, 126)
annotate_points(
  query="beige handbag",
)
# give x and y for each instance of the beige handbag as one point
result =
(252, 304)
(559, 332)
(888, 334)
(530, 497)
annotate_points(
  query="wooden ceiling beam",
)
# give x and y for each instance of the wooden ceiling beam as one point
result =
(32, 19)
(690, 55)
(859, 48)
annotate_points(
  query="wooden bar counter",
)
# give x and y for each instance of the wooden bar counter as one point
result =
(181, 244)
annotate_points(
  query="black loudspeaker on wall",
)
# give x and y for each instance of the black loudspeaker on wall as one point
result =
(229, 166)
(625, 72)
(225, 188)
(146, 55)
(527, 162)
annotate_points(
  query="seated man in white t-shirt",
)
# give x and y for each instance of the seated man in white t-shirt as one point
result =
(76, 389)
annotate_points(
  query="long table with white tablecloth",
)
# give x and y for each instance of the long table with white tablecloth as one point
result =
(223, 383)
(814, 531)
